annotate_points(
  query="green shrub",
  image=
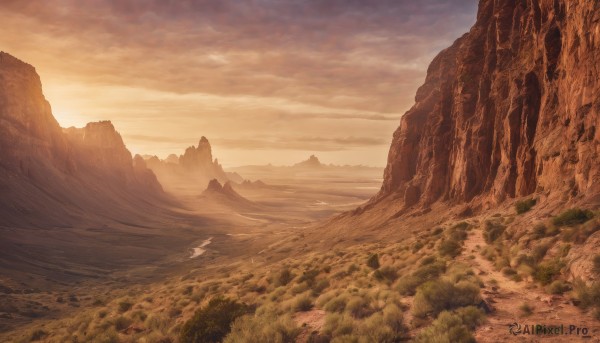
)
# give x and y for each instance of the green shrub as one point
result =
(213, 322)
(450, 247)
(448, 327)
(492, 231)
(434, 297)
(471, 316)
(546, 271)
(524, 205)
(373, 261)
(408, 285)
(572, 217)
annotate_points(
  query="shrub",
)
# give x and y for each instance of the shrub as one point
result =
(545, 272)
(268, 329)
(337, 304)
(37, 335)
(492, 231)
(573, 216)
(450, 247)
(436, 296)
(382, 328)
(303, 303)
(471, 316)
(588, 296)
(213, 322)
(309, 276)
(387, 274)
(358, 307)
(448, 327)
(526, 309)
(408, 285)
(459, 231)
(124, 306)
(122, 323)
(427, 260)
(337, 325)
(558, 287)
(373, 261)
(320, 286)
(284, 277)
(158, 322)
(416, 247)
(524, 205)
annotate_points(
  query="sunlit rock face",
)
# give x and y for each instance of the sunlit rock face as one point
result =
(51, 173)
(511, 108)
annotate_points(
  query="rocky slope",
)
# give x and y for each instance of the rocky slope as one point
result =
(52, 176)
(510, 109)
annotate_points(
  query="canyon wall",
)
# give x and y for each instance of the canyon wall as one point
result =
(510, 109)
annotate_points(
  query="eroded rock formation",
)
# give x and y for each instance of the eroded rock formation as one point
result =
(511, 108)
(48, 174)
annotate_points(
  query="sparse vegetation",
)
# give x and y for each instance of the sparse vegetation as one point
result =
(450, 247)
(373, 261)
(213, 322)
(492, 231)
(449, 327)
(526, 309)
(523, 206)
(434, 297)
(572, 217)
(547, 271)
(124, 306)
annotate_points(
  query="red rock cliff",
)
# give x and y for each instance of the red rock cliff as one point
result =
(511, 108)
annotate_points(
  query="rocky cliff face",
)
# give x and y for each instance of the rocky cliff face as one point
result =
(49, 173)
(511, 108)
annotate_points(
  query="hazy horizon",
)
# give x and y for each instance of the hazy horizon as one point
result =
(330, 79)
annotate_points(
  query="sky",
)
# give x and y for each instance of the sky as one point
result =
(266, 81)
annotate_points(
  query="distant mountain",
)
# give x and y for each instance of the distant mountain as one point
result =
(195, 166)
(311, 162)
(225, 194)
(50, 176)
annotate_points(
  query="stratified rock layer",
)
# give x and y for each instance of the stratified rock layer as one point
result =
(511, 108)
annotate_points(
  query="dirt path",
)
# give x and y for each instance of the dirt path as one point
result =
(309, 321)
(506, 296)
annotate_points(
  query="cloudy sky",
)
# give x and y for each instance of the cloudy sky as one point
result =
(267, 81)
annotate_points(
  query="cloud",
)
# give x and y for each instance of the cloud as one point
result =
(232, 67)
